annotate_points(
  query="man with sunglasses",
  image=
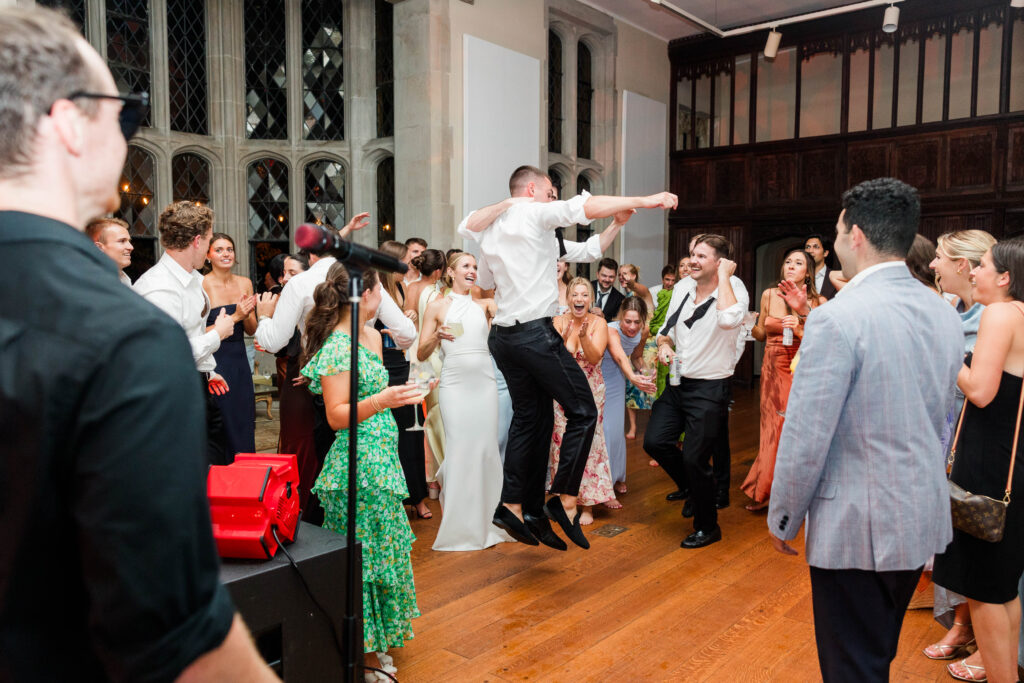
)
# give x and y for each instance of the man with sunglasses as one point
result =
(108, 569)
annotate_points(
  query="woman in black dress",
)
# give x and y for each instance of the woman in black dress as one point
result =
(987, 573)
(234, 294)
(410, 444)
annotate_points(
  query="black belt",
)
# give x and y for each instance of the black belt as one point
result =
(521, 327)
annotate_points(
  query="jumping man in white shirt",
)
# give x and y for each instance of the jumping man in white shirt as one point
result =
(518, 244)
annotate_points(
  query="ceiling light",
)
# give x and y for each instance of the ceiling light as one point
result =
(891, 18)
(1016, 3)
(771, 46)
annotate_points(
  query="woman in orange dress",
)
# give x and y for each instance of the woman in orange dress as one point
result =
(782, 307)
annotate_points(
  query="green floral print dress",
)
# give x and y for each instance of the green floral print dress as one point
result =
(382, 527)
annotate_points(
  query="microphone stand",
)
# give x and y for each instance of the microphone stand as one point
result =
(350, 622)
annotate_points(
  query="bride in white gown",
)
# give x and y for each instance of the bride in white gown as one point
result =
(471, 474)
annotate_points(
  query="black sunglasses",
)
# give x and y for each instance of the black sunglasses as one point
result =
(132, 112)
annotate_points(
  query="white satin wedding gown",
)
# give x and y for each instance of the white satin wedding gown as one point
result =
(471, 474)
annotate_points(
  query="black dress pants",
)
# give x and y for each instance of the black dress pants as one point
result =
(697, 407)
(410, 444)
(538, 370)
(721, 459)
(216, 437)
(857, 620)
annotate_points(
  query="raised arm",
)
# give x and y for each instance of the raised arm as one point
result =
(358, 222)
(479, 220)
(602, 206)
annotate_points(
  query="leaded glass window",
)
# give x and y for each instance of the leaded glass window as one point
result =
(583, 232)
(386, 200)
(138, 208)
(556, 181)
(268, 214)
(584, 100)
(138, 179)
(385, 59)
(555, 117)
(186, 65)
(325, 193)
(190, 178)
(266, 90)
(75, 10)
(323, 82)
(128, 46)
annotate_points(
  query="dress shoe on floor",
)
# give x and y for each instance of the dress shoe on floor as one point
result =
(572, 529)
(722, 500)
(506, 519)
(699, 539)
(688, 508)
(681, 494)
(541, 529)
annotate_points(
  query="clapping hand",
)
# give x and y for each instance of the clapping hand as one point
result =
(245, 306)
(796, 297)
(583, 329)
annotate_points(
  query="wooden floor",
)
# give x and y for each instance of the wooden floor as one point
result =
(635, 607)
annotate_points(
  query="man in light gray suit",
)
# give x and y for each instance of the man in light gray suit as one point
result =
(860, 453)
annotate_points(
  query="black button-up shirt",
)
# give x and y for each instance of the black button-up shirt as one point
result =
(108, 568)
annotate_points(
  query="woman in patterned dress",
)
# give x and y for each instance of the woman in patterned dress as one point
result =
(586, 338)
(382, 527)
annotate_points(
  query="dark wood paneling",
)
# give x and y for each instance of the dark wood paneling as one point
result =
(866, 161)
(730, 181)
(916, 162)
(774, 178)
(819, 174)
(971, 160)
(1015, 157)
(933, 226)
(692, 187)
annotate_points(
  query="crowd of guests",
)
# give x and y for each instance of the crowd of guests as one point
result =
(436, 324)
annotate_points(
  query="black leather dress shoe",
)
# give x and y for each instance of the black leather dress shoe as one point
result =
(506, 519)
(688, 508)
(722, 500)
(572, 529)
(681, 494)
(541, 529)
(699, 539)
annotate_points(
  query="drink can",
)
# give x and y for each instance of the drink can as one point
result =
(674, 371)
(787, 336)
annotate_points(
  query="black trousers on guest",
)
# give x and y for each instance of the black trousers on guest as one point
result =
(857, 620)
(216, 438)
(721, 459)
(410, 444)
(698, 408)
(538, 370)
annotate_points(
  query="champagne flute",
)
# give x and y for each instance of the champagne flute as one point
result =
(421, 375)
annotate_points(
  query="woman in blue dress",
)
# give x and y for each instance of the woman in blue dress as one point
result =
(626, 336)
(233, 294)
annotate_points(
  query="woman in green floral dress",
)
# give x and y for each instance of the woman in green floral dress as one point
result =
(389, 596)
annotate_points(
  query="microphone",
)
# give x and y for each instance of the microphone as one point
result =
(318, 239)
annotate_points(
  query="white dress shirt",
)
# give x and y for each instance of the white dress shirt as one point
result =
(819, 279)
(520, 250)
(654, 292)
(125, 280)
(575, 252)
(179, 293)
(708, 349)
(296, 301)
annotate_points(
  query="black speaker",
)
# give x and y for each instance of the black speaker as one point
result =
(292, 634)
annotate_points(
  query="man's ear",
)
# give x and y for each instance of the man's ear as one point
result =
(66, 120)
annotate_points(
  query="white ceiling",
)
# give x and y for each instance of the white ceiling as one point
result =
(724, 14)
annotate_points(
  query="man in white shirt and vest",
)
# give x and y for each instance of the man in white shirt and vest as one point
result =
(175, 286)
(705, 315)
(518, 243)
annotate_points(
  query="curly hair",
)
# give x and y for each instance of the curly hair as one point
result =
(330, 303)
(181, 222)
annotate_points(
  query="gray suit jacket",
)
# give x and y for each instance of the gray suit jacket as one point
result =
(860, 454)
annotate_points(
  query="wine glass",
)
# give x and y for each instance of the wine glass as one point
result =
(420, 374)
(649, 369)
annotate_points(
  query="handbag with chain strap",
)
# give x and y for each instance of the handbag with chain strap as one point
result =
(973, 513)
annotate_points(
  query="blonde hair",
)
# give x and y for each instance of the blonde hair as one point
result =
(633, 269)
(453, 261)
(968, 244)
(580, 281)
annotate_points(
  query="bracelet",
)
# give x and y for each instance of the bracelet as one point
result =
(375, 404)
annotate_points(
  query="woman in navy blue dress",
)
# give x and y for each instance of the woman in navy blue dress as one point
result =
(234, 294)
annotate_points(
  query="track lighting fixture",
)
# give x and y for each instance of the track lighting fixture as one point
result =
(891, 18)
(771, 46)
